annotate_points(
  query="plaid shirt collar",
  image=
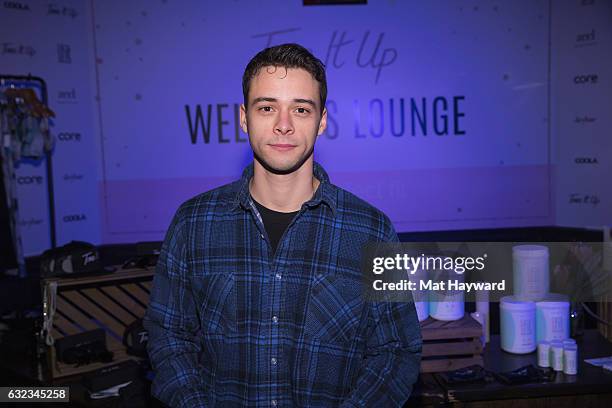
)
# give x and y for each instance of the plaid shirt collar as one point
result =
(326, 193)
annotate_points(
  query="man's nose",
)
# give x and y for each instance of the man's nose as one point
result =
(284, 124)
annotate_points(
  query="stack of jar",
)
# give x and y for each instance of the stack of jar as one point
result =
(560, 355)
(533, 315)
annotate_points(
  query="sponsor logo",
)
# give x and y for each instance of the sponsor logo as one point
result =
(74, 218)
(579, 198)
(89, 257)
(584, 119)
(73, 177)
(64, 54)
(17, 49)
(15, 5)
(584, 39)
(586, 160)
(30, 222)
(57, 10)
(29, 180)
(67, 96)
(69, 137)
(586, 79)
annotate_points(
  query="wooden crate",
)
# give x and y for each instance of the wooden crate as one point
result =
(110, 302)
(450, 345)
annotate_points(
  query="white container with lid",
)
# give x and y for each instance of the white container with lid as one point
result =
(447, 305)
(544, 354)
(556, 353)
(570, 359)
(517, 325)
(530, 272)
(552, 318)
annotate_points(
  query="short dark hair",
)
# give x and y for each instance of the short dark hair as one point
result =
(286, 56)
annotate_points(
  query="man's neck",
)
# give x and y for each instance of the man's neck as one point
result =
(283, 192)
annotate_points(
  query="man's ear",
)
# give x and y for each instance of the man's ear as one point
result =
(243, 121)
(323, 122)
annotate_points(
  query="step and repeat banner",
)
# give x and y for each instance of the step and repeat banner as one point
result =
(438, 111)
(52, 40)
(582, 96)
(444, 114)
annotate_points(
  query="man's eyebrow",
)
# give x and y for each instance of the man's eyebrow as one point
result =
(297, 100)
(308, 101)
(264, 99)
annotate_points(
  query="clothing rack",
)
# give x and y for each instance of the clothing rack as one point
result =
(32, 82)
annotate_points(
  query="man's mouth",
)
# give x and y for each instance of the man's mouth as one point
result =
(282, 146)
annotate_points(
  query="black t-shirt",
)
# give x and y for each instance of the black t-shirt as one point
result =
(275, 223)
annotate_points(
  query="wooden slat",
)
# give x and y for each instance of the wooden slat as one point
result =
(124, 299)
(107, 304)
(75, 314)
(435, 366)
(94, 310)
(111, 277)
(64, 325)
(138, 293)
(148, 285)
(473, 346)
(466, 327)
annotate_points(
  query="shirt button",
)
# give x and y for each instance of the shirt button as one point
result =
(275, 319)
(273, 403)
(278, 276)
(274, 361)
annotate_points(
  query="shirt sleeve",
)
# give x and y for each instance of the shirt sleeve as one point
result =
(172, 324)
(393, 353)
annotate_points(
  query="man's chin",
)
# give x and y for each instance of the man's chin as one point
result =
(280, 168)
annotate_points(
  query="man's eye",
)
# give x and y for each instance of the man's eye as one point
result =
(302, 110)
(266, 109)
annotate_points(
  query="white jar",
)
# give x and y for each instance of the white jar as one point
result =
(517, 326)
(556, 353)
(544, 354)
(530, 272)
(447, 305)
(552, 318)
(570, 359)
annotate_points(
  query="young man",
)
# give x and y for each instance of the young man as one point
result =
(258, 298)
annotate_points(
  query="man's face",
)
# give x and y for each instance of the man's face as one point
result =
(283, 118)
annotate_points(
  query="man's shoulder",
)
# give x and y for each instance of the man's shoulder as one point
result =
(354, 209)
(213, 201)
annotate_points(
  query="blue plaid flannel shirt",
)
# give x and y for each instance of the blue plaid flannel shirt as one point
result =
(232, 324)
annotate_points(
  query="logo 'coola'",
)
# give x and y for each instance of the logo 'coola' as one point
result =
(69, 136)
(26, 180)
(586, 160)
(74, 217)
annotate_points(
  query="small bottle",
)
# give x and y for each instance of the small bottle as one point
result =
(556, 353)
(544, 353)
(570, 359)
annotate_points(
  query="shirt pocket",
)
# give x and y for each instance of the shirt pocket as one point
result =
(335, 309)
(217, 294)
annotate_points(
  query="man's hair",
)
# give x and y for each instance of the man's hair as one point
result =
(286, 56)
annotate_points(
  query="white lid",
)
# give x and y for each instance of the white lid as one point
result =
(553, 300)
(570, 347)
(556, 344)
(511, 303)
(530, 250)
